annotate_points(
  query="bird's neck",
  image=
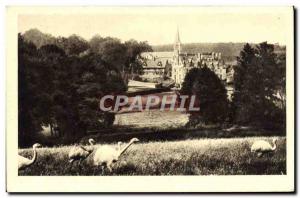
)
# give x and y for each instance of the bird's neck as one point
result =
(125, 148)
(274, 146)
(34, 156)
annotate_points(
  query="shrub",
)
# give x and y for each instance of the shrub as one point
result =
(210, 94)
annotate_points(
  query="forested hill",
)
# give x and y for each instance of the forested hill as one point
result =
(230, 50)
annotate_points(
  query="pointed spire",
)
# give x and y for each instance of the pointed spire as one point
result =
(177, 39)
(177, 44)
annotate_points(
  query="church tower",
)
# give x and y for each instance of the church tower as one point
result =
(177, 44)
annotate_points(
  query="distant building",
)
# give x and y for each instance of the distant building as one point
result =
(177, 64)
(157, 64)
(183, 62)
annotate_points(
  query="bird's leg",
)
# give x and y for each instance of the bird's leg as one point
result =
(102, 170)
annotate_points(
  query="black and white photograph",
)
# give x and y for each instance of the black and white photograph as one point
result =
(108, 92)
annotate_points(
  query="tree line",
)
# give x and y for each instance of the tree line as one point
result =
(259, 90)
(61, 80)
(229, 50)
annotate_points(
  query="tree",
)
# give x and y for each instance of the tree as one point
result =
(62, 91)
(96, 79)
(240, 96)
(110, 49)
(73, 45)
(168, 70)
(209, 90)
(256, 81)
(27, 126)
(126, 57)
(133, 55)
(281, 61)
(61, 86)
(38, 38)
(35, 88)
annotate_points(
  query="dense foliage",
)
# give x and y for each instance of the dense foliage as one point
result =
(62, 79)
(259, 90)
(209, 90)
(259, 80)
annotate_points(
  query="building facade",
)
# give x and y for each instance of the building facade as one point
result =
(177, 64)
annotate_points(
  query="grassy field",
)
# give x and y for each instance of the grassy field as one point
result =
(152, 118)
(227, 156)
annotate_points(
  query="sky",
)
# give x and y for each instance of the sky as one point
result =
(160, 27)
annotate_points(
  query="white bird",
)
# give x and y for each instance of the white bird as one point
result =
(106, 156)
(261, 147)
(24, 162)
(79, 152)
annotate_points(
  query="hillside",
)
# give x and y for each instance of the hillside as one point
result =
(228, 50)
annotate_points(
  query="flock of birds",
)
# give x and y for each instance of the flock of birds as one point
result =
(106, 156)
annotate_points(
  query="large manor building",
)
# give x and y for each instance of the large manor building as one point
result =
(176, 64)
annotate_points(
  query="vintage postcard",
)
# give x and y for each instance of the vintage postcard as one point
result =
(150, 99)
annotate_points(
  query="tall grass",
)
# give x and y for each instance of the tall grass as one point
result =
(229, 156)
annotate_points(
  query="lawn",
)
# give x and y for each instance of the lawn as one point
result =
(223, 156)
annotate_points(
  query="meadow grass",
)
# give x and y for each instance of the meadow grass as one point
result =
(223, 156)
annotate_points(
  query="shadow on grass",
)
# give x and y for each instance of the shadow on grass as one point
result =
(155, 134)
